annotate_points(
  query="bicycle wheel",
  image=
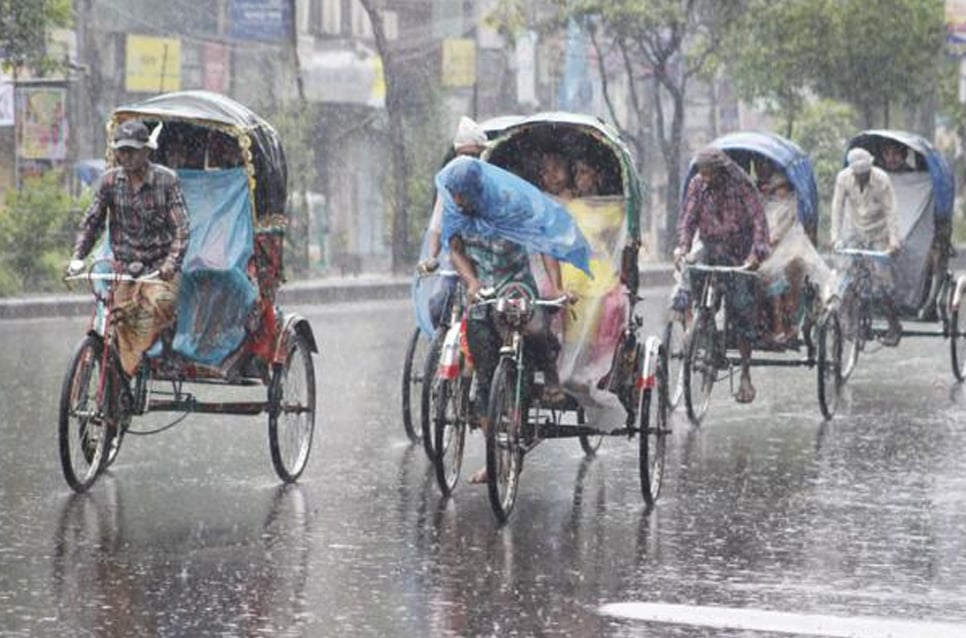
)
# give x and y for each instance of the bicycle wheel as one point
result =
(957, 343)
(829, 364)
(449, 429)
(504, 454)
(429, 391)
(851, 327)
(700, 369)
(674, 356)
(653, 427)
(412, 383)
(291, 410)
(83, 428)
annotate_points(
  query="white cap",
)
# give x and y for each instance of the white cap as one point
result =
(469, 133)
(859, 160)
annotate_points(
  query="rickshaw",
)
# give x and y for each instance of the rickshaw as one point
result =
(609, 371)
(699, 338)
(433, 295)
(925, 291)
(229, 330)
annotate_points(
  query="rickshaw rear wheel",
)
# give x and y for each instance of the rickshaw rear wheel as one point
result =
(700, 366)
(449, 430)
(829, 364)
(957, 343)
(291, 410)
(412, 386)
(429, 393)
(855, 318)
(653, 427)
(674, 354)
(504, 454)
(83, 432)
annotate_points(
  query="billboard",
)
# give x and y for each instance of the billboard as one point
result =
(459, 62)
(41, 123)
(152, 65)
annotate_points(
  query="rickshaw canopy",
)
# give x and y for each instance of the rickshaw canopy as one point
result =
(262, 150)
(783, 152)
(936, 164)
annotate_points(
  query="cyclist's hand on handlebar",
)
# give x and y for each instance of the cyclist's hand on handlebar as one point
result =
(427, 266)
(678, 257)
(76, 266)
(893, 249)
(751, 263)
(166, 273)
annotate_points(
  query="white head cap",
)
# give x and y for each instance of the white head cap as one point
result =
(859, 160)
(469, 133)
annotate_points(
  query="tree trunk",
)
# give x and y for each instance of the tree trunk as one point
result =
(397, 142)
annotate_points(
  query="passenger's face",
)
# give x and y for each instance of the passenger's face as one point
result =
(585, 179)
(553, 174)
(892, 157)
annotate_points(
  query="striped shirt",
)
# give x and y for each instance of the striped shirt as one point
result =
(149, 225)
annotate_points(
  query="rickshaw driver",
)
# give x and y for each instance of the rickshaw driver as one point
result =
(723, 204)
(145, 208)
(489, 207)
(865, 200)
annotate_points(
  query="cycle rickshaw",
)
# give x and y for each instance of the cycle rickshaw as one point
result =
(229, 330)
(925, 291)
(610, 372)
(699, 339)
(433, 295)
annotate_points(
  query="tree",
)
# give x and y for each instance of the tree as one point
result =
(23, 30)
(397, 141)
(663, 45)
(875, 56)
(35, 234)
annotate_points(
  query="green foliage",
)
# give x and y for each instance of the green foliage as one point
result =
(23, 29)
(823, 130)
(36, 234)
(875, 55)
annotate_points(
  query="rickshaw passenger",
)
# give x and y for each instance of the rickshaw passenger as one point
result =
(723, 204)
(555, 176)
(586, 178)
(793, 258)
(864, 215)
(489, 210)
(145, 208)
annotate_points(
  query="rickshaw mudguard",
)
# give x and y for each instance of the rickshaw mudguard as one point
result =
(292, 324)
(652, 354)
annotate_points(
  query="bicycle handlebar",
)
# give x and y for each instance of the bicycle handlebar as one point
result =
(154, 276)
(741, 270)
(863, 252)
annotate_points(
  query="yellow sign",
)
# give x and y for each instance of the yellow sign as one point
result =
(459, 62)
(153, 65)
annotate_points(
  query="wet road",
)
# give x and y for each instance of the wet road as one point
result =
(763, 508)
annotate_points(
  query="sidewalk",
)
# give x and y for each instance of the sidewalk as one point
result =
(322, 290)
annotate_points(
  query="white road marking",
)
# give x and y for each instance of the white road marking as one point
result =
(783, 622)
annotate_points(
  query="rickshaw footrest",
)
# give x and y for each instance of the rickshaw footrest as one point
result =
(238, 407)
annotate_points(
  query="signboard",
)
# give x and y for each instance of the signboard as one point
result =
(459, 62)
(216, 62)
(152, 65)
(267, 20)
(41, 116)
(6, 101)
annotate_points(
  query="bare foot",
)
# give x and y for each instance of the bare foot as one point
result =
(480, 477)
(746, 391)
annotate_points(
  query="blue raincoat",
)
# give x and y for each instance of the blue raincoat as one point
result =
(500, 204)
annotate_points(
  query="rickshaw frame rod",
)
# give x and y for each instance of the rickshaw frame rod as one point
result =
(242, 381)
(190, 405)
(554, 431)
(775, 363)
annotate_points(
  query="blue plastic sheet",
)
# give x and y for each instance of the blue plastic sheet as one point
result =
(216, 295)
(509, 207)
